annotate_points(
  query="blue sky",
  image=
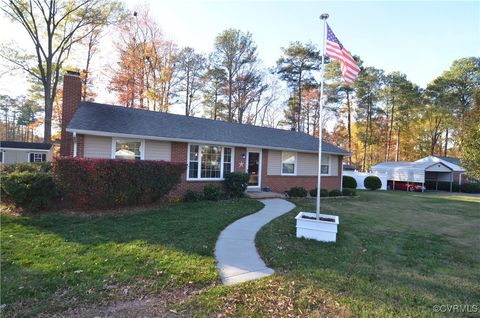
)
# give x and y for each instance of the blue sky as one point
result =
(420, 39)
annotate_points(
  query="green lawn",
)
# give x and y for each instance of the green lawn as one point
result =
(397, 255)
(49, 263)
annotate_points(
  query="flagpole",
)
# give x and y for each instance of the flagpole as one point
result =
(323, 17)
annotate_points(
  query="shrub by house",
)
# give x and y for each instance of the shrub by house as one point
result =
(29, 189)
(235, 184)
(372, 183)
(104, 183)
(349, 182)
(297, 192)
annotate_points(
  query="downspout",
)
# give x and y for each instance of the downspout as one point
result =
(341, 173)
(74, 144)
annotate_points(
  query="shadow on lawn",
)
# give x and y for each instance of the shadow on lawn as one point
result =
(58, 258)
(192, 228)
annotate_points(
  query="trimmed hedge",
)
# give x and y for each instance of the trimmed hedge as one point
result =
(348, 192)
(105, 183)
(349, 182)
(323, 193)
(45, 166)
(471, 187)
(297, 192)
(372, 183)
(192, 196)
(235, 184)
(30, 190)
(335, 193)
(213, 192)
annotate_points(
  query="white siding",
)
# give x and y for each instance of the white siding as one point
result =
(15, 156)
(158, 150)
(11, 156)
(307, 164)
(274, 163)
(97, 147)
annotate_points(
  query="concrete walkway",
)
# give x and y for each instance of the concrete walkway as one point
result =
(235, 251)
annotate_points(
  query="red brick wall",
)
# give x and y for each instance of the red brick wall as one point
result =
(240, 163)
(283, 183)
(179, 154)
(72, 92)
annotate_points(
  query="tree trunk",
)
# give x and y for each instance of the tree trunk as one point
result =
(397, 146)
(435, 137)
(230, 80)
(47, 135)
(187, 93)
(366, 138)
(299, 101)
(87, 72)
(6, 124)
(446, 144)
(390, 130)
(215, 105)
(14, 130)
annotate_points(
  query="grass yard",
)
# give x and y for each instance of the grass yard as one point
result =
(397, 255)
(50, 263)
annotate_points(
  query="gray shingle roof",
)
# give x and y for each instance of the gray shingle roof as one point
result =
(121, 120)
(455, 161)
(25, 145)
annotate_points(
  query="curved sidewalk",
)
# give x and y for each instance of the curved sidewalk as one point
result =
(235, 251)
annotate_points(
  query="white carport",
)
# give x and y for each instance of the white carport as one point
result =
(415, 172)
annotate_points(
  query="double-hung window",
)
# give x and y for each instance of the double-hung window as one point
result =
(289, 163)
(325, 167)
(209, 161)
(128, 149)
(37, 157)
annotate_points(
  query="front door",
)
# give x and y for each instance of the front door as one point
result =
(254, 162)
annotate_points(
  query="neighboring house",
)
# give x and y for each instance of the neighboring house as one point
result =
(279, 159)
(18, 151)
(429, 169)
(349, 167)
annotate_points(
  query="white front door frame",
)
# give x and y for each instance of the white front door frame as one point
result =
(259, 151)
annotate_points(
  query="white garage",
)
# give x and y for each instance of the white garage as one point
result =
(429, 169)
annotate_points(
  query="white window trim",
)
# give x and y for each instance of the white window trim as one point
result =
(36, 153)
(142, 146)
(232, 166)
(294, 167)
(260, 158)
(329, 165)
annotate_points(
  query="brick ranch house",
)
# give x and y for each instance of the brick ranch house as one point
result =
(275, 158)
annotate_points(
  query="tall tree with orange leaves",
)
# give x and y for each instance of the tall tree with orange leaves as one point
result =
(143, 77)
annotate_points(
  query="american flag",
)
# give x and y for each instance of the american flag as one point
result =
(336, 50)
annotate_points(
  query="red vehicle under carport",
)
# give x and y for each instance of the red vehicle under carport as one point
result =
(405, 186)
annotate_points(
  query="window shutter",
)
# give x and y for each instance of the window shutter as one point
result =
(44, 157)
(32, 159)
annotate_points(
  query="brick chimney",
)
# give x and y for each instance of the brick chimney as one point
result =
(72, 93)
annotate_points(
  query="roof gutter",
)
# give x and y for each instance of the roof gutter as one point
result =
(120, 135)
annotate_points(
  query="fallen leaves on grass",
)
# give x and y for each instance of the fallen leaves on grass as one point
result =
(273, 297)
